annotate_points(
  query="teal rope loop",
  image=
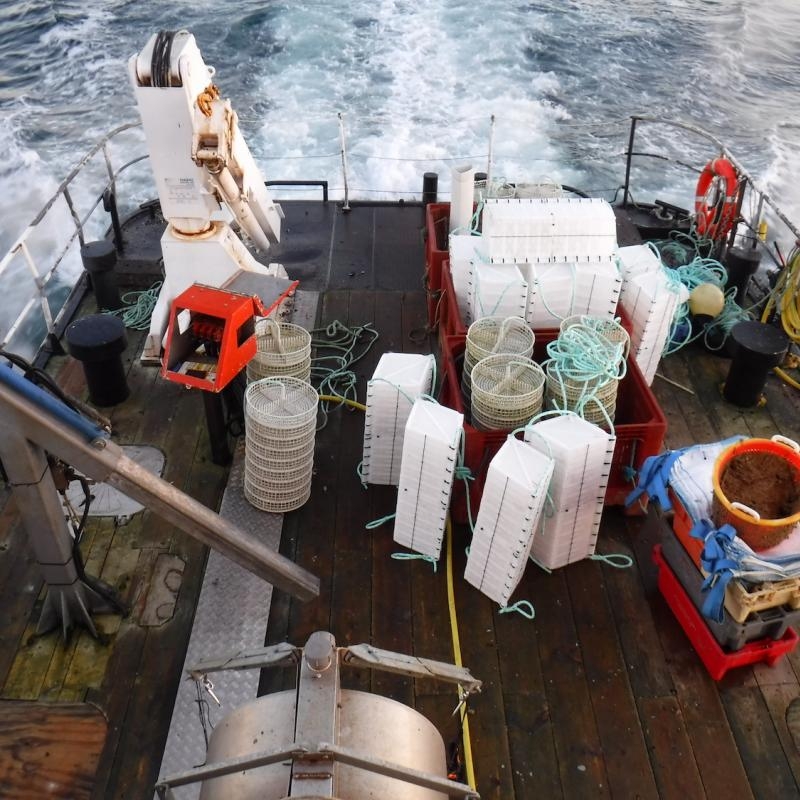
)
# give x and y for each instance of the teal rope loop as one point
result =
(337, 348)
(464, 473)
(376, 523)
(616, 560)
(522, 607)
(138, 308)
(360, 473)
(416, 557)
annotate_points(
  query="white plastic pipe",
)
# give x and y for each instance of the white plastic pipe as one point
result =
(462, 183)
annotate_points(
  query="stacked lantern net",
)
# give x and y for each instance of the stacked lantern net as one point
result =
(398, 380)
(582, 453)
(282, 349)
(557, 290)
(562, 248)
(584, 368)
(430, 452)
(496, 291)
(463, 256)
(507, 391)
(280, 422)
(511, 507)
(650, 299)
(491, 335)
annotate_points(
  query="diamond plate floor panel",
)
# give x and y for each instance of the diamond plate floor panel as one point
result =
(231, 615)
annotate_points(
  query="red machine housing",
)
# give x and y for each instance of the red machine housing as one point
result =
(210, 336)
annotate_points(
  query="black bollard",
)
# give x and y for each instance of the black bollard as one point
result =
(741, 264)
(98, 341)
(99, 259)
(430, 186)
(758, 348)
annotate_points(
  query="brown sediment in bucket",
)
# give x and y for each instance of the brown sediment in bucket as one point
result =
(763, 481)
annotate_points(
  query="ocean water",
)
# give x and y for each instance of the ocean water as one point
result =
(417, 83)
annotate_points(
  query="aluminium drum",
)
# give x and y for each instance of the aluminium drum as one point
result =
(369, 725)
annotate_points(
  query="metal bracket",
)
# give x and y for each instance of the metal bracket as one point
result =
(278, 655)
(365, 655)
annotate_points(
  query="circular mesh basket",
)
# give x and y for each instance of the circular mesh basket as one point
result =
(267, 498)
(593, 399)
(507, 391)
(280, 425)
(283, 349)
(491, 335)
(590, 327)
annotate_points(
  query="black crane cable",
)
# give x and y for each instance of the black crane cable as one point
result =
(160, 61)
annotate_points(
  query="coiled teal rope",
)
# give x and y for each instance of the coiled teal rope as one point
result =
(138, 308)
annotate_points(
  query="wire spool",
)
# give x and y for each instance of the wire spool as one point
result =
(507, 391)
(491, 335)
(280, 427)
(283, 349)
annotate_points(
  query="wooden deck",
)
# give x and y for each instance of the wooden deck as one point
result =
(129, 677)
(601, 695)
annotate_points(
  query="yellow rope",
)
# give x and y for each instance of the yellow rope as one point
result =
(332, 398)
(451, 603)
(788, 290)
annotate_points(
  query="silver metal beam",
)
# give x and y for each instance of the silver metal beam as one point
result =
(103, 460)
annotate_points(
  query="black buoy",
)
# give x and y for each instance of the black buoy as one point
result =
(430, 187)
(741, 263)
(98, 341)
(757, 349)
(99, 259)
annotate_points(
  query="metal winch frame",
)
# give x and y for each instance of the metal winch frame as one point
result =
(315, 751)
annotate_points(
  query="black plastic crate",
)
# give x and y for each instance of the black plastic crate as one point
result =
(733, 635)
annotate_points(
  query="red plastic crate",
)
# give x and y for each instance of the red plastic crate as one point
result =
(437, 220)
(451, 323)
(479, 446)
(682, 525)
(640, 425)
(716, 660)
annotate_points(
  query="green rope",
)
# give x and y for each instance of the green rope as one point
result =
(337, 348)
(138, 308)
(523, 607)
(464, 473)
(376, 523)
(415, 557)
(616, 560)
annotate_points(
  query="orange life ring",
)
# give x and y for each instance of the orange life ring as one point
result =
(714, 211)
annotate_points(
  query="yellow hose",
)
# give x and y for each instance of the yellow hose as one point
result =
(788, 289)
(451, 603)
(333, 398)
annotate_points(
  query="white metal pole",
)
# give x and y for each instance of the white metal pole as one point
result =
(346, 206)
(491, 154)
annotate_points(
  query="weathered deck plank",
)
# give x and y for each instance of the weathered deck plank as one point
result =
(50, 750)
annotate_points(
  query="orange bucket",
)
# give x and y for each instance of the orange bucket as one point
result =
(758, 533)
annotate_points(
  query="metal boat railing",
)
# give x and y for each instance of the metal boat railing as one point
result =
(43, 273)
(762, 198)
